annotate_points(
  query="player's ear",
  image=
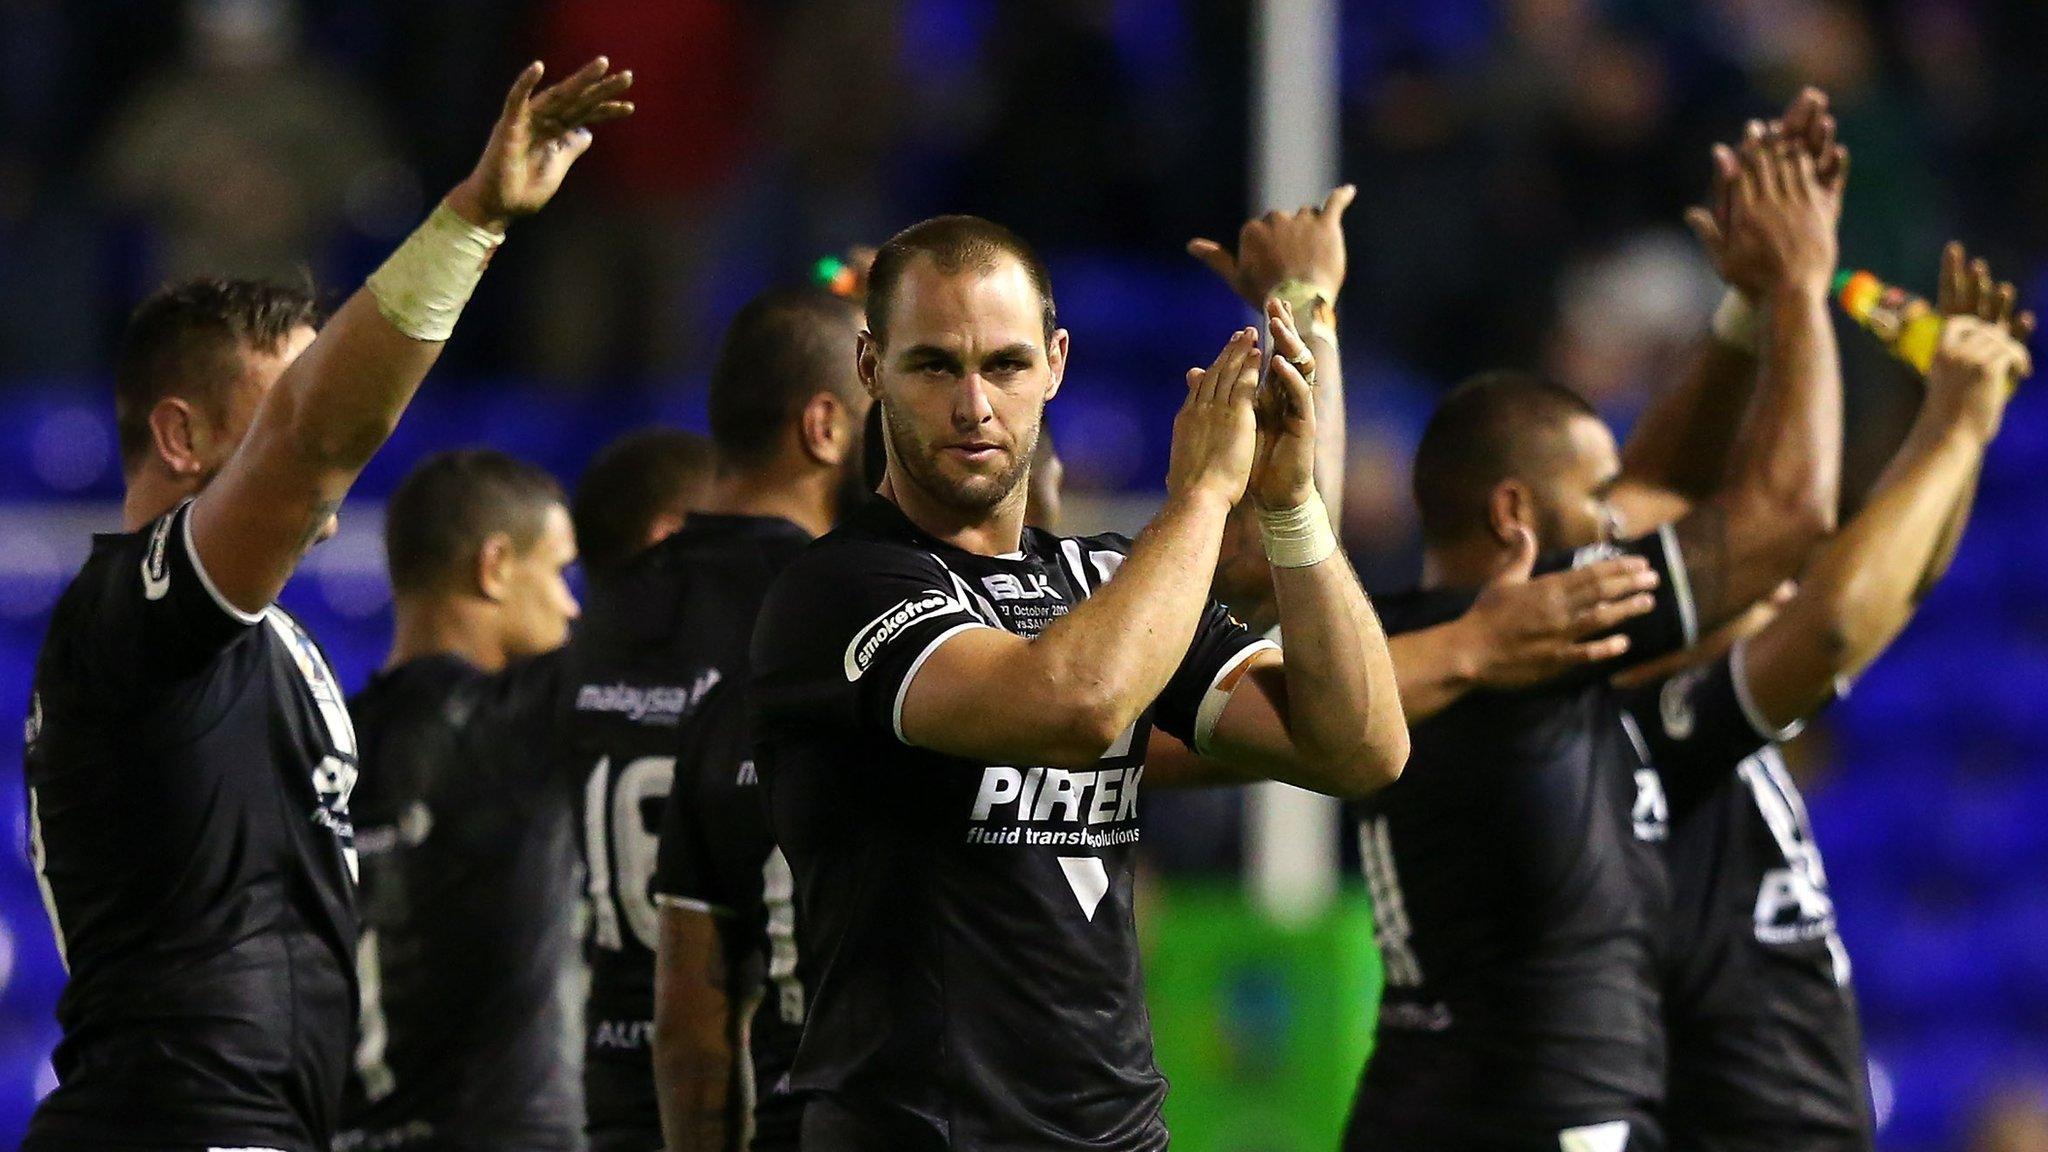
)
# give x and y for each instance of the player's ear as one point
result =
(825, 429)
(494, 567)
(1056, 359)
(178, 432)
(867, 359)
(1510, 511)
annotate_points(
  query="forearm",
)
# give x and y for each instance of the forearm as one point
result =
(1344, 713)
(1951, 535)
(1862, 588)
(1682, 441)
(695, 1028)
(1151, 609)
(1331, 427)
(1789, 451)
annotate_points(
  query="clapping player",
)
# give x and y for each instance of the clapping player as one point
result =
(1518, 885)
(189, 757)
(952, 709)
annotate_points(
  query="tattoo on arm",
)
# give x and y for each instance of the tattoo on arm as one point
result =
(1703, 549)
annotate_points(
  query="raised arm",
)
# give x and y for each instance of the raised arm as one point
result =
(1864, 585)
(1063, 698)
(1677, 453)
(1327, 716)
(1779, 497)
(1299, 257)
(338, 402)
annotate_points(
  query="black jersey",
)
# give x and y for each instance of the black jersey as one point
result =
(657, 635)
(468, 895)
(1765, 1048)
(1519, 895)
(719, 857)
(964, 930)
(189, 768)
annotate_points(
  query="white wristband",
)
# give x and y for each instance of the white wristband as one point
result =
(1298, 537)
(422, 287)
(1735, 322)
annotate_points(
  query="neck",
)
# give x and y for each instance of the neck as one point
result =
(996, 532)
(806, 497)
(1467, 563)
(150, 494)
(443, 625)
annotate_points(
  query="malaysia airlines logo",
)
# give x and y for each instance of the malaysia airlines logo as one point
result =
(1031, 586)
(866, 643)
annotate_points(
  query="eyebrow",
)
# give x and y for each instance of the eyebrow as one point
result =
(1021, 349)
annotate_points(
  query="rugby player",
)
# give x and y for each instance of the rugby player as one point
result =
(1766, 1051)
(669, 626)
(189, 756)
(1518, 884)
(951, 712)
(468, 882)
(637, 490)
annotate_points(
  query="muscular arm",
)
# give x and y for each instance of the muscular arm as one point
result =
(338, 402)
(1677, 453)
(1780, 495)
(1864, 585)
(700, 1037)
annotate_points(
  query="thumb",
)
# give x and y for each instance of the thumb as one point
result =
(1339, 199)
(1706, 228)
(1216, 257)
(1523, 562)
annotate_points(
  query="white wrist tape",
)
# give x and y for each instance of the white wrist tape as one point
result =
(421, 289)
(1735, 322)
(1298, 537)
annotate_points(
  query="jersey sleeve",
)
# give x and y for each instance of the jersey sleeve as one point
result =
(1672, 624)
(156, 614)
(1214, 666)
(846, 629)
(1697, 725)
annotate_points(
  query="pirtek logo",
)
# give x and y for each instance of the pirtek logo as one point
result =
(1034, 586)
(1105, 796)
(860, 651)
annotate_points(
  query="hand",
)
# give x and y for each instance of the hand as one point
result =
(1307, 244)
(1781, 221)
(1529, 631)
(537, 137)
(1967, 289)
(1215, 434)
(1808, 127)
(1284, 471)
(1975, 372)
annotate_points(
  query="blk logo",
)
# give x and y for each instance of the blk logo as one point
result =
(1032, 586)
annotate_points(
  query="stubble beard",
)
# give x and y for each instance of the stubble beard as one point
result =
(975, 495)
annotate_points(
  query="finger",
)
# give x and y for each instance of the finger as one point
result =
(1291, 388)
(603, 92)
(1806, 175)
(1223, 373)
(564, 93)
(1245, 388)
(1594, 652)
(1755, 132)
(2023, 327)
(1215, 257)
(607, 112)
(522, 88)
(1801, 112)
(1705, 229)
(1606, 616)
(1952, 296)
(1287, 341)
(1620, 580)
(1982, 287)
(575, 143)
(1338, 200)
(1821, 142)
(2003, 299)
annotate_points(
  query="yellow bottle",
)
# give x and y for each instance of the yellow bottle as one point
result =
(1907, 326)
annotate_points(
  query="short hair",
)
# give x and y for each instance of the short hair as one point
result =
(453, 501)
(953, 243)
(181, 340)
(632, 482)
(1493, 427)
(784, 347)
